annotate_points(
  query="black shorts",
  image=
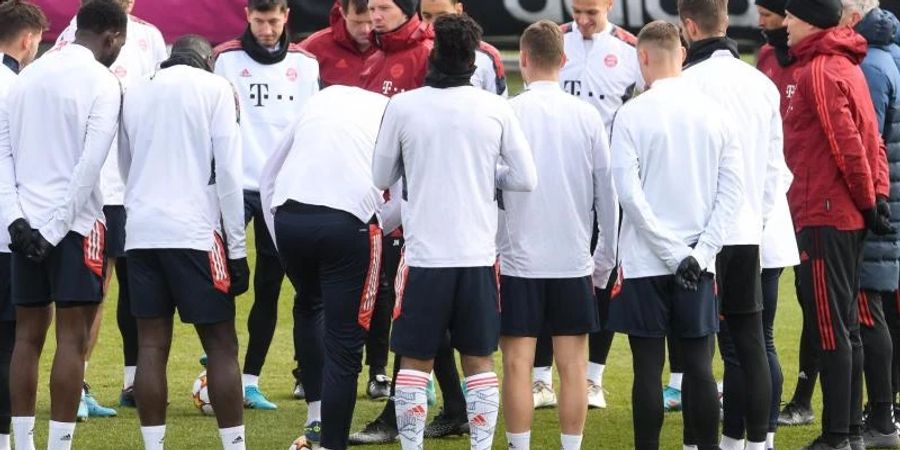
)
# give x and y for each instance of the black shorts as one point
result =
(7, 310)
(740, 282)
(71, 275)
(566, 307)
(430, 302)
(115, 230)
(657, 307)
(194, 281)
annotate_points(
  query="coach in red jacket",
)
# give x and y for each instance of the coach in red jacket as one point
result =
(403, 44)
(342, 48)
(833, 147)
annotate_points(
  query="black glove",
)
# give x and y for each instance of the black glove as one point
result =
(876, 222)
(240, 276)
(40, 248)
(688, 274)
(20, 236)
(883, 208)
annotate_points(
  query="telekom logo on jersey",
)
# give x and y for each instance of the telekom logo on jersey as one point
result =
(630, 13)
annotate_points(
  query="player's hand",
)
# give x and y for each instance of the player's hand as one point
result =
(882, 206)
(240, 276)
(878, 223)
(20, 236)
(40, 248)
(688, 274)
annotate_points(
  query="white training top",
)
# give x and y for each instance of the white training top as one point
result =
(779, 241)
(7, 77)
(57, 175)
(752, 100)
(326, 158)
(271, 98)
(144, 49)
(453, 148)
(486, 74)
(546, 233)
(180, 158)
(677, 168)
(602, 71)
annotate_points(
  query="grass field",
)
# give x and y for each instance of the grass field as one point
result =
(608, 429)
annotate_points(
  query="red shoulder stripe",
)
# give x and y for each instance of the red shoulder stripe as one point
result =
(297, 48)
(496, 58)
(227, 46)
(623, 35)
(567, 27)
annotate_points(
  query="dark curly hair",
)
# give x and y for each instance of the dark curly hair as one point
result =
(100, 16)
(17, 16)
(456, 37)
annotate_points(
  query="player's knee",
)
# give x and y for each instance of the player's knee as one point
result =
(474, 365)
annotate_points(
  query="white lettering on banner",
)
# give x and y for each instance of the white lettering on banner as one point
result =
(639, 12)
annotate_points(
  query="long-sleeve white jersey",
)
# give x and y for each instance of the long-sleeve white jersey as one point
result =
(179, 152)
(489, 72)
(753, 101)
(779, 241)
(144, 49)
(453, 149)
(57, 174)
(271, 97)
(677, 169)
(326, 158)
(7, 77)
(546, 233)
(603, 70)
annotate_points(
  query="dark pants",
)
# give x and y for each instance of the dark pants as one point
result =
(828, 285)
(330, 255)
(377, 342)
(891, 310)
(878, 350)
(267, 278)
(735, 401)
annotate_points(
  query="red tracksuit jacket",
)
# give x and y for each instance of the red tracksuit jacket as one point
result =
(401, 60)
(340, 61)
(831, 138)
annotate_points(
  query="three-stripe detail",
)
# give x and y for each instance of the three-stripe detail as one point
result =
(370, 287)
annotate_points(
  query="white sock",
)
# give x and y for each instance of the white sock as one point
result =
(61, 435)
(544, 374)
(755, 446)
(483, 406)
(595, 373)
(23, 432)
(675, 380)
(154, 437)
(519, 441)
(770, 440)
(4, 442)
(233, 438)
(128, 376)
(688, 447)
(85, 369)
(314, 412)
(250, 380)
(571, 441)
(411, 407)
(728, 443)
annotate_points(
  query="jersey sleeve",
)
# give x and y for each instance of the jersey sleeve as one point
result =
(516, 171)
(606, 206)
(226, 143)
(387, 163)
(9, 197)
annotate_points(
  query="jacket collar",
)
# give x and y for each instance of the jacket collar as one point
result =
(704, 49)
(838, 41)
(407, 36)
(10, 63)
(261, 54)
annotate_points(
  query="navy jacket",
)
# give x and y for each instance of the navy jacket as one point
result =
(881, 254)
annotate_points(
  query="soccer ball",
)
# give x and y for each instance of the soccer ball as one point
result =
(200, 395)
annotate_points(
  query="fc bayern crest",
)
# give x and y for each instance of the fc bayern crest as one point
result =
(611, 61)
(292, 74)
(397, 71)
(143, 44)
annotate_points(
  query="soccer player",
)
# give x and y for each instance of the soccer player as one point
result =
(752, 100)
(185, 231)
(403, 43)
(490, 74)
(327, 226)
(547, 283)
(53, 205)
(448, 282)
(274, 79)
(678, 178)
(343, 47)
(139, 58)
(840, 189)
(22, 24)
(602, 69)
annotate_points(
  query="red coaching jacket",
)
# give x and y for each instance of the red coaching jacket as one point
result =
(782, 76)
(831, 138)
(340, 61)
(401, 60)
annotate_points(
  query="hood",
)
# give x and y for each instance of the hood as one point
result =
(878, 27)
(896, 23)
(339, 32)
(837, 41)
(408, 35)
